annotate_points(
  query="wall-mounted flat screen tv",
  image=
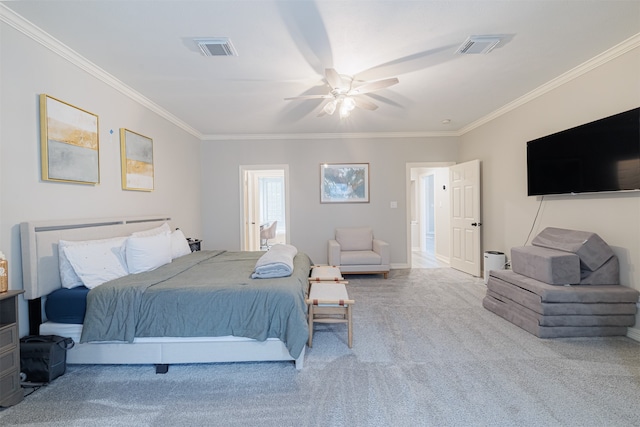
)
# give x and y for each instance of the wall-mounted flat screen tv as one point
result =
(603, 155)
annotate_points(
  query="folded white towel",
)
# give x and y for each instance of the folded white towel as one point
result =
(276, 262)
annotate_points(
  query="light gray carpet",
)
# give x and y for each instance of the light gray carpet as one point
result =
(425, 354)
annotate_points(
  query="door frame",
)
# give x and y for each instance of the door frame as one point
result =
(245, 205)
(408, 196)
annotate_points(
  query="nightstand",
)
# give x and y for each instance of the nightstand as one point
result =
(194, 244)
(10, 389)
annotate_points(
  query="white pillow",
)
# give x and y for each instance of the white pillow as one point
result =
(148, 252)
(97, 261)
(179, 245)
(68, 276)
(164, 228)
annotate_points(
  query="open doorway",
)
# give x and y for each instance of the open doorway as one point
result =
(429, 212)
(265, 206)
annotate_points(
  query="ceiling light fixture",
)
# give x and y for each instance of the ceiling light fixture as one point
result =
(343, 103)
(330, 108)
(343, 96)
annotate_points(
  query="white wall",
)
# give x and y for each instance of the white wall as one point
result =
(28, 69)
(313, 223)
(508, 214)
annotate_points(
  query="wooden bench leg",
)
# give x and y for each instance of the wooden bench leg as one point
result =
(310, 325)
(349, 325)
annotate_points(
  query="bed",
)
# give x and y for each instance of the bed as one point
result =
(279, 335)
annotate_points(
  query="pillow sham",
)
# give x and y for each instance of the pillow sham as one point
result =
(147, 253)
(164, 228)
(179, 245)
(98, 261)
(68, 276)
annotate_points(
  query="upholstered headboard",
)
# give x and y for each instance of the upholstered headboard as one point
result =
(40, 272)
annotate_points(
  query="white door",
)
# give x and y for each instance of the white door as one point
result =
(464, 185)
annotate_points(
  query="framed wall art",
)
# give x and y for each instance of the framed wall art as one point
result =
(136, 153)
(344, 183)
(69, 148)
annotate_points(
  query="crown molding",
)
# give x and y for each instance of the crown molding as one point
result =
(29, 29)
(309, 136)
(631, 43)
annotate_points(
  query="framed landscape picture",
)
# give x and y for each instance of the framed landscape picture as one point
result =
(69, 148)
(344, 183)
(136, 153)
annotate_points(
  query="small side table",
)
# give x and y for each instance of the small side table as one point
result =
(194, 244)
(10, 390)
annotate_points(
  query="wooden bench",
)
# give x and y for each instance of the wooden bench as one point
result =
(329, 303)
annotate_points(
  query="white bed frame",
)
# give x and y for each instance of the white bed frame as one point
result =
(41, 277)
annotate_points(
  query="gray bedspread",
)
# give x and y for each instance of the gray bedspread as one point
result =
(206, 293)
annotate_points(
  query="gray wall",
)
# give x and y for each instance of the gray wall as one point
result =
(313, 223)
(28, 69)
(508, 214)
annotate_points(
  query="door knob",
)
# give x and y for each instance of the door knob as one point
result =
(476, 224)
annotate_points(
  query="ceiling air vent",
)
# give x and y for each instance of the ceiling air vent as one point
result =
(216, 47)
(479, 44)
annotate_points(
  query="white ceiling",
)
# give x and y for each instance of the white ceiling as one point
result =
(284, 46)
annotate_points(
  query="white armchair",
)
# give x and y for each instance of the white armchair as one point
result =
(356, 251)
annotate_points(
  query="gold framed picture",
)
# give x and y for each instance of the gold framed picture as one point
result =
(69, 147)
(136, 153)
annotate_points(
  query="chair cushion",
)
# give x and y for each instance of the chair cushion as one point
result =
(355, 239)
(360, 258)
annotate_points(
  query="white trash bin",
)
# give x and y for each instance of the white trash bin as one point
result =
(493, 260)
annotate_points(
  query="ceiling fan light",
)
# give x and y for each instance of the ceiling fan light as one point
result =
(348, 103)
(330, 107)
(344, 111)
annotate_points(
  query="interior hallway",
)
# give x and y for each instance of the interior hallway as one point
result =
(427, 259)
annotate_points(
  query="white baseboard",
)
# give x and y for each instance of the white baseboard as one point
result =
(394, 266)
(441, 258)
(633, 333)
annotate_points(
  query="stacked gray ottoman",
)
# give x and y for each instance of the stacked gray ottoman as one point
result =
(565, 285)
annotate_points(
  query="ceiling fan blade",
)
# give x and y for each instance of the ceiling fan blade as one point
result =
(377, 85)
(363, 103)
(333, 78)
(309, 97)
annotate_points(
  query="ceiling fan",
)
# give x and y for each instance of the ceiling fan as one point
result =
(345, 91)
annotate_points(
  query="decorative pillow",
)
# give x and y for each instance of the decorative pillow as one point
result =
(97, 261)
(164, 228)
(147, 253)
(179, 245)
(68, 276)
